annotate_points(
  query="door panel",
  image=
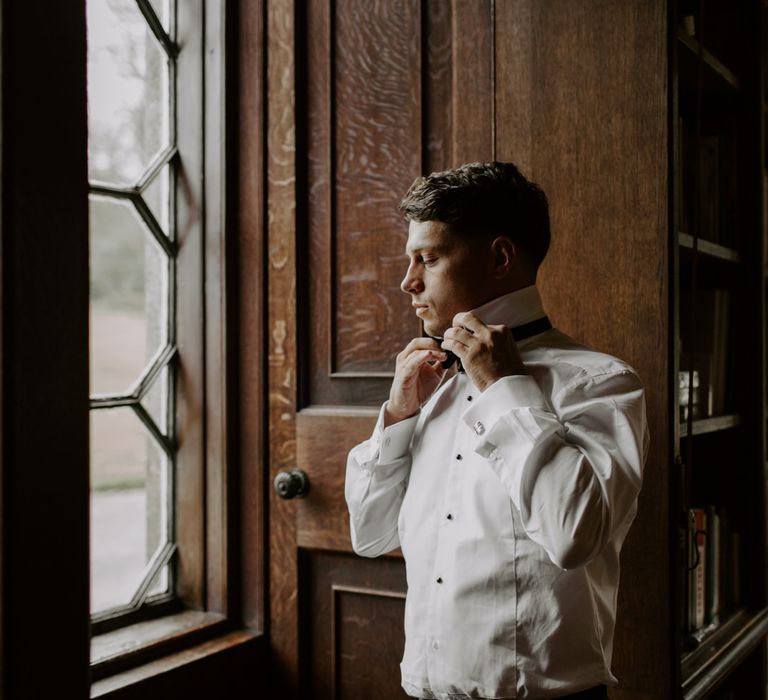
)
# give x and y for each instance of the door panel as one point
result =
(323, 435)
(356, 641)
(364, 135)
(363, 96)
(364, 149)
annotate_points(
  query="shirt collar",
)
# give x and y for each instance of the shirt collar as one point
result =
(513, 309)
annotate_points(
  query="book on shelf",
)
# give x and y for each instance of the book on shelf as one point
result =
(713, 571)
(713, 588)
(730, 225)
(697, 573)
(718, 300)
(688, 392)
(709, 188)
(684, 170)
(734, 579)
(688, 24)
(715, 188)
(707, 355)
(682, 185)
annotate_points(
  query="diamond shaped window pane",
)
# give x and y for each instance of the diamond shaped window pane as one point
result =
(157, 196)
(156, 401)
(128, 92)
(129, 496)
(129, 295)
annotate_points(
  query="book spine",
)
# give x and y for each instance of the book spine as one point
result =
(699, 572)
(714, 571)
(709, 188)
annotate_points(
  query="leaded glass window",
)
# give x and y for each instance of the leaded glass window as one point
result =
(132, 170)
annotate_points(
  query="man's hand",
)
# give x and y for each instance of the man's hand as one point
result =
(486, 352)
(415, 379)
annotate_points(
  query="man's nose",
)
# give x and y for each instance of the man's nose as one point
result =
(411, 282)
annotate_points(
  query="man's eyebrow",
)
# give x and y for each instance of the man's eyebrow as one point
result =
(424, 248)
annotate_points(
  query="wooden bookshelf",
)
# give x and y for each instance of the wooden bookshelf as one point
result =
(718, 77)
(719, 160)
(711, 424)
(720, 653)
(705, 247)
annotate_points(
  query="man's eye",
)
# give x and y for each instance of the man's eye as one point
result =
(429, 261)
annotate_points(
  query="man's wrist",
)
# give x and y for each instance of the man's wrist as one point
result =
(393, 416)
(490, 381)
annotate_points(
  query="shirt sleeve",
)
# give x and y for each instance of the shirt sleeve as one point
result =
(574, 474)
(377, 474)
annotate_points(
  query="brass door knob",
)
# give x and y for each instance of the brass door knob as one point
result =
(292, 484)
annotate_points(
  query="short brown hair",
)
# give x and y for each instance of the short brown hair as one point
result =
(491, 198)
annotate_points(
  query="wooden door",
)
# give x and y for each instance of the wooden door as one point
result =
(374, 105)
(362, 96)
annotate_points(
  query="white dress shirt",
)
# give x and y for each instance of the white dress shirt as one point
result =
(511, 507)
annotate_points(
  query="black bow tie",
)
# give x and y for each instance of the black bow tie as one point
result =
(518, 333)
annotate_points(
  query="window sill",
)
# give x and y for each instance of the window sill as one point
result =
(116, 651)
(149, 651)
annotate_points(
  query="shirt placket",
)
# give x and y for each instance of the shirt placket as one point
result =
(449, 517)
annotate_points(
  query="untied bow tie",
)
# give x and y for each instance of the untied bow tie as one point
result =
(518, 333)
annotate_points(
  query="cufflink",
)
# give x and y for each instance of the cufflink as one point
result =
(479, 428)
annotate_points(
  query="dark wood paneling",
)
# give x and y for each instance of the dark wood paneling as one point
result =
(358, 618)
(525, 81)
(356, 609)
(597, 131)
(363, 133)
(514, 83)
(252, 300)
(281, 340)
(425, 103)
(375, 125)
(44, 228)
(473, 81)
(323, 437)
(437, 85)
(225, 668)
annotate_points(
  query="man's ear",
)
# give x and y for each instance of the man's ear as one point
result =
(505, 256)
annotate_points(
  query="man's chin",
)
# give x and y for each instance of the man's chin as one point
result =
(435, 328)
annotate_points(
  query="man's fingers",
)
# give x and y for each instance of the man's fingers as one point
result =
(419, 344)
(461, 335)
(457, 348)
(469, 321)
(417, 358)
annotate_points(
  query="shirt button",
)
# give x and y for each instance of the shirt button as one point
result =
(449, 516)
(435, 644)
(439, 579)
(459, 457)
(469, 398)
(479, 428)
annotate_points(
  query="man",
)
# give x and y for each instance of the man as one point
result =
(509, 484)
